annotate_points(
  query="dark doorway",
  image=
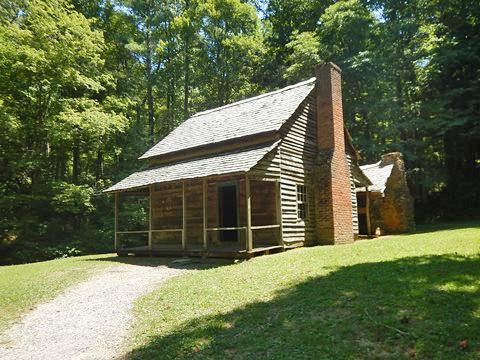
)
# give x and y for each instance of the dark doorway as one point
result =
(228, 211)
(362, 213)
(362, 224)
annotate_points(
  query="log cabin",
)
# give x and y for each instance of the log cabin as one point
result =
(265, 174)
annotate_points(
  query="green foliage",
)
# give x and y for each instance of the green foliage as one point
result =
(72, 199)
(410, 72)
(304, 56)
(86, 86)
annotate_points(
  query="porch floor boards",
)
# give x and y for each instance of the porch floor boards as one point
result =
(199, 251)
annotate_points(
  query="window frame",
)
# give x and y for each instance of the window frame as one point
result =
(301, 197)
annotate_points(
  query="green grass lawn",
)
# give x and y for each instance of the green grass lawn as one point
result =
(24, 286)
(398, 297)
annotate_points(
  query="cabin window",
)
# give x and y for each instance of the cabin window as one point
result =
(302, 203)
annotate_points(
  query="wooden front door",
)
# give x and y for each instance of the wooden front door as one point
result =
(228, 211)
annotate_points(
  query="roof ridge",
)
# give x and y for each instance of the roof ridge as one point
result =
(367, 166)
(305, 82)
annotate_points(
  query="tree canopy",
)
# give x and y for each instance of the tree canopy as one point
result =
(86, 86)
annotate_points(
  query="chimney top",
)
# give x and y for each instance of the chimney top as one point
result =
(390, 158)
(328, 65)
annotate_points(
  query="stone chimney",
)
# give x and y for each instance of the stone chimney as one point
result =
(333, 201)
(392, 158)
(398, 203)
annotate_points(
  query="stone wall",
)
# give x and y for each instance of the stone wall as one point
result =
(398, 212)
(393, 213)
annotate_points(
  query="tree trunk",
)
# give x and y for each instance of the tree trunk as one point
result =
(149, 75)
(76, 160)
(186, 79)
(99, 165)
(450, 154)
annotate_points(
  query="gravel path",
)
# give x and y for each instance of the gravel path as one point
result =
(90, 320)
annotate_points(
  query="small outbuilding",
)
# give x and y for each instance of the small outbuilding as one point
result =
(269, 173)
(385, 207)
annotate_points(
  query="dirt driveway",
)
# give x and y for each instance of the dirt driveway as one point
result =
(88, 321)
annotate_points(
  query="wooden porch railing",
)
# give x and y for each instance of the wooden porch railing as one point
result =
(248, 229)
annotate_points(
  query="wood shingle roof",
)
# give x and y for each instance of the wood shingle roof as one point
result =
(239, 161)
(260, 114)
(378, 175)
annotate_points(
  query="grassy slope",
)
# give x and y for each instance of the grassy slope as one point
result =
(23, 286)
(398, 297)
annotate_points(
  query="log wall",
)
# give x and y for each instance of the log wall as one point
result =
(167, 213)
(291, 163)
(298, 150)
(352, 162)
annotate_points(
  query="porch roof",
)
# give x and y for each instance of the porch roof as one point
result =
(256, 115)
(239, 161)
(378, 175)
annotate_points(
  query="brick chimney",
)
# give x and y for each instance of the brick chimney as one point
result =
(333, 201)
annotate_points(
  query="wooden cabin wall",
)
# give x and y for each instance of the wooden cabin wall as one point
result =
(167, 206)
(263, 203)
(167, 210)
(213, 237)
(351, 163)
(292, 162)
(298, 150)
(166, 202)
(267, 168)
(194, 213)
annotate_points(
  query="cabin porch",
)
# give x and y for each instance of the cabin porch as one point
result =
(220, 216)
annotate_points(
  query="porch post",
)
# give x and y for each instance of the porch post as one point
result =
(115, 244)
(278, 201)
(367, 212)
(150, 243)
(249, 242)
(204, 186)
(184, 220)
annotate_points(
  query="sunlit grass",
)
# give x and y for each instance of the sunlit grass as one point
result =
(397, 297)
(24, 286)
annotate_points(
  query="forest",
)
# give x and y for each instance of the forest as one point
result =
(87, 86)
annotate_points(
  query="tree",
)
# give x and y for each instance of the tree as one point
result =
(143, 43)
(449, 70)
(232, 47)
(52, 79)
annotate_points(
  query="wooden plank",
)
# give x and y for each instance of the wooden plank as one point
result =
(226, 228)
(207, 149)
(115, 244)
(265, 227)
(205, 198)
(133, 232)
(166, 230)
(249, 242)
(266, 179)
(278, 201)
(184, 218)
(265, 248)
(150, 239)
(367, 204)
(134, 192)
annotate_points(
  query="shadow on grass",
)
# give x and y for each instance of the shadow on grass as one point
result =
(419, 307)
(428, 228)
(172, 262)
